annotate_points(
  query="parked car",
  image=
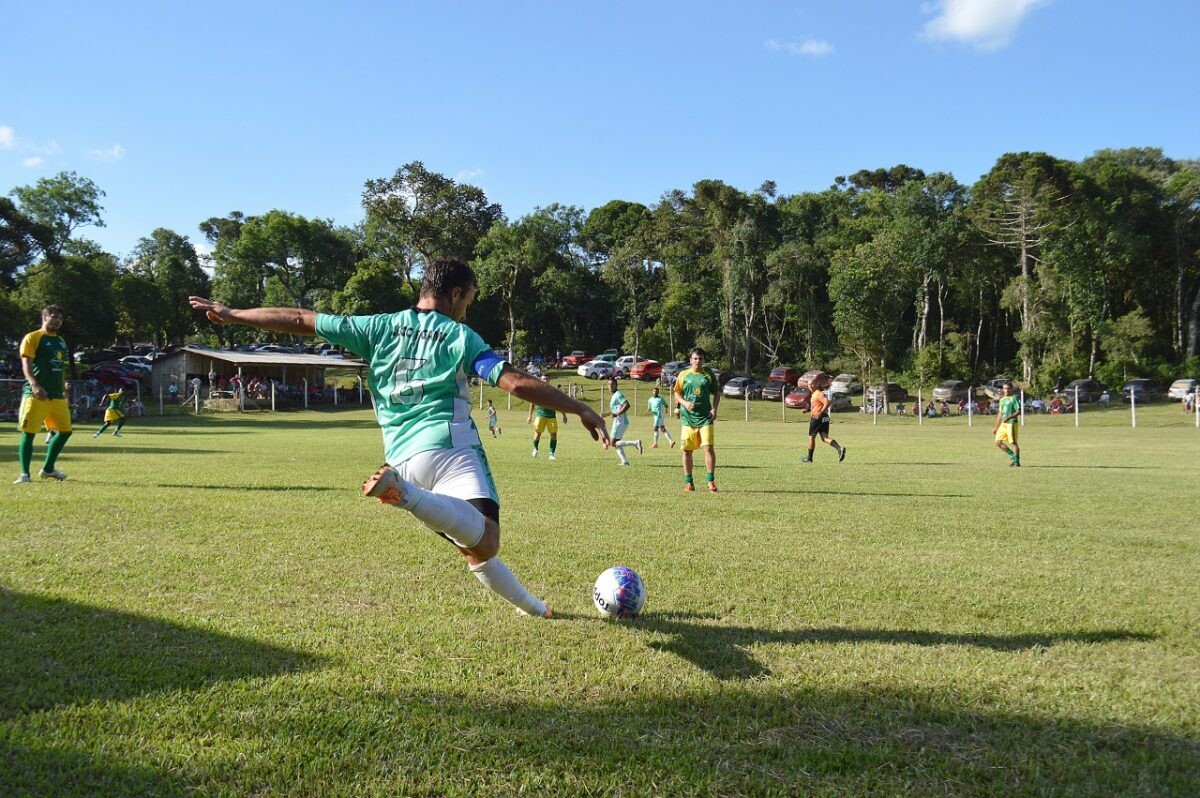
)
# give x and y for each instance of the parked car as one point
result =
(276, 349)
(138, 361)
(616, 353)
(814, 379)
(577, 358)
(1183, 387)
(951, 391)
(670, 371)
(1089, 391)
(1140, 390)
(994, 388)
(847, 384)
(742, 387)
(891, 392)
(595, 369)
(120, 369)
(797, 398)
(839, 402)
(646, 370)
(775, 389)
(624, 364)
(784, 374)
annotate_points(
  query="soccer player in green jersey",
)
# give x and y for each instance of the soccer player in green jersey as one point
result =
(418, 362)
(1008, 421)
(547, 421)
(698, 397)
(658, 412)
(44, 400)
(618, 409)
(114, 412)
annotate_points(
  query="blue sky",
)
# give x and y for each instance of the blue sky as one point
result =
(182, 111)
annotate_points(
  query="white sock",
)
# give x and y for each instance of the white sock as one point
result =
(656, 437)
(620, 454)
(669, 438)
(457, 518)
(498, 578)
(623, 444)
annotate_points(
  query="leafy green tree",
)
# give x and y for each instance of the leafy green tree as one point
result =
(21, 241)
(375, 287)
(140, 310)
(428, 213)
(83, 285)
(170, 262)
(61, 204)
(619, 239)
(511, 256)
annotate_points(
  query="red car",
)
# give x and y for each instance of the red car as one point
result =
(798, 398)
(576, 358)
(814, 379)
(784, 374)
(646, 370)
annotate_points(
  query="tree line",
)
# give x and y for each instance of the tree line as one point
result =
(1044, 268)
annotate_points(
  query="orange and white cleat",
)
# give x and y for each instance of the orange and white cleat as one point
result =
(384, 485)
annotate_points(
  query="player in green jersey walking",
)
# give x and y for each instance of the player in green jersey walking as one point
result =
(114, 412)
(698, 397)
(419, 360)
(658, 412)
(44, 401)
(618, 409)
(547, 421)
(1008, 421)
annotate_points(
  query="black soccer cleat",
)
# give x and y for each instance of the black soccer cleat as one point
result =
(842, 454)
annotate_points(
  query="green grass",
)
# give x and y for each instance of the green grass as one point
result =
(207, 607)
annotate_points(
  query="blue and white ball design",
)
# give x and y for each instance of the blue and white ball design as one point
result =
(619, 593)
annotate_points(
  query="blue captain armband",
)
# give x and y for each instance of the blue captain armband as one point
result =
(488, 366)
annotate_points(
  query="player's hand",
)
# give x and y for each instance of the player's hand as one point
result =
(39, 392)
(595, 425)
(215, 311)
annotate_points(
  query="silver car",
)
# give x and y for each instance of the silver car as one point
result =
(1183, 387)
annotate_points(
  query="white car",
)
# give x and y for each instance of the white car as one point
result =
(140, 361)
(847, 384)
(625, 364)
(1182, 387)
(595, 369)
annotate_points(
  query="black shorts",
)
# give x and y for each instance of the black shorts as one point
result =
(818, 425)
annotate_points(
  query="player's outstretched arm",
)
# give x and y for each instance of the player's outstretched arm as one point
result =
(296, 321)
(530, 389)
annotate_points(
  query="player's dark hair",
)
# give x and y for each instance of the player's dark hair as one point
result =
(697, 350)
(50, 310)
(1006, 384)
(444, 275)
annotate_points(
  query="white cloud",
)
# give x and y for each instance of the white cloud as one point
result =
(8, 138)
(113, 153)
(984, 24)
(32, 162)
(809, 47)
(467, 174)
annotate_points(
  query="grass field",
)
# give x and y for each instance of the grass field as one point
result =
(207, 607)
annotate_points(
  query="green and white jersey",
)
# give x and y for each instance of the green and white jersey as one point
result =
(419, 364)
(699, 387)
(657, 406)
(614, 404)
(1009, 405)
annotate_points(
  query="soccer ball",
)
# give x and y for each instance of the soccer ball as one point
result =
(619, 593)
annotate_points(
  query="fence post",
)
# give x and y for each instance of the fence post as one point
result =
(1077, 405)
(970, 407)
(360, 401)
(746, 403)
(1022, 407)
(160, 401)
(1132, 407)
(272, 394)
(920, 409)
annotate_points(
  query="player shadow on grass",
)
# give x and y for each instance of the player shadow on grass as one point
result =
(55, 652)
(722, 651)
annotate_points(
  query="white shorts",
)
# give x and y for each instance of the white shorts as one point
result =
(619, 425)
(462, 473)
(660, 421)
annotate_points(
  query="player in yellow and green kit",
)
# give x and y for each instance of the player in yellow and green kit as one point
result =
(1008, 421)
(114, 412)
(43, 355)
(547, 421)
(698, 397)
